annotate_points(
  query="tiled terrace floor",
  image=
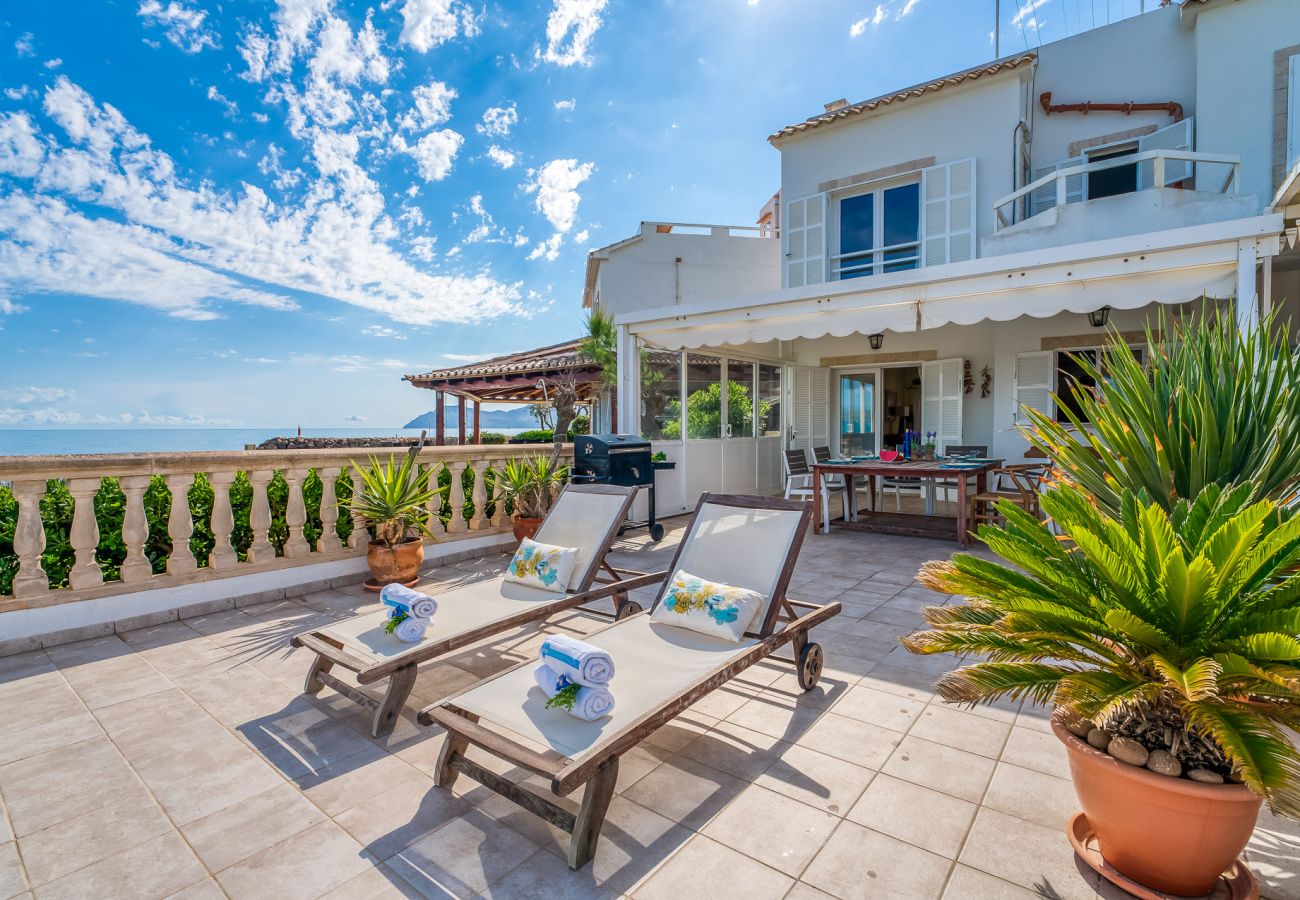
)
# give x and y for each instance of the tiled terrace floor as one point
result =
(181, 760)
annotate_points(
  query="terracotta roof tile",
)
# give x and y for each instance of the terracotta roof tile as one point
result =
(541, 359)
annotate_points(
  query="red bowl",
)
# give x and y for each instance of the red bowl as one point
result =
(888, 455)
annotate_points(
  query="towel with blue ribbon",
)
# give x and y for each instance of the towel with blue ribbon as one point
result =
(575, 676)
(409, 612)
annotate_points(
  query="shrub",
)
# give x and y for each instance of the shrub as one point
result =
(492, 437)
(534, 436)
(581, 425)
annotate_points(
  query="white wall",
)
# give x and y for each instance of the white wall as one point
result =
(644, 273)
(1235, 46)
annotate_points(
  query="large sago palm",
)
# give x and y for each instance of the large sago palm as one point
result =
(1177, 626)
(1209, 406)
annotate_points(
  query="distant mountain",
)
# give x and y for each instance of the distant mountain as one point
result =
(488, 419)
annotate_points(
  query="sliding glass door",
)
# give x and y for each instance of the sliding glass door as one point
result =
(858, 399)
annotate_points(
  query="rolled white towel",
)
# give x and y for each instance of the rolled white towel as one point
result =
(588, 702)
(411, 630)
(584, 664)
(398, 596)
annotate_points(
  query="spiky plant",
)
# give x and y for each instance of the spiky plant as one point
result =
(600, 344)
(1212, 405)
(393, 498)
(1187, 617)
(530, 483)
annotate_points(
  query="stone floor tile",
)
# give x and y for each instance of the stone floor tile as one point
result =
(172, 706)
(192, 747)
(12, 880)
(209, 791)
(237, 832)
(156, 868)
(860, 863)
(918, 815)
(1032, 749)
(36, 701)
(851, 740)
(25, 666)
(776, 830)
(376, 883)
(357, 779)
(396, 818)
(104, 685)
(1045, 799)
(1028, 854)
(803, 891)
(463, 857)
(962, 729)
(966, 883)
(825, 782)
(954, 772)
(546, 876)
(307, 864)
(879, 708)
(676, 734)
(62, 784)
(735, 750)
(70, 845)
(633, 843)
(685, 791)
(207, 889)
(16, 745)
(706, 868)
(6, 830)
(904, 682)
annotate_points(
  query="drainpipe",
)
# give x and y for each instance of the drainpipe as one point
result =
(677, 281)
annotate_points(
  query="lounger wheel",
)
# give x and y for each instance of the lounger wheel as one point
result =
(810, 665)
(630, 608)
(656, 532)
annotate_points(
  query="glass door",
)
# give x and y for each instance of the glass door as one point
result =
(858, 413)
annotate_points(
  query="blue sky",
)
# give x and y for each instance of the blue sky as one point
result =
(264, 213)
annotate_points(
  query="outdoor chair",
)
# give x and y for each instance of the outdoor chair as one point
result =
(980, 451)
(586, 516)
(1020, 484)
(799, 482)
(661, 670)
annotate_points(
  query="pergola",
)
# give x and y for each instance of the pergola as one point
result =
(515, 378)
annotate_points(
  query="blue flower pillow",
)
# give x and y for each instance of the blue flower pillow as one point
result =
(707, 607)
(542, 566)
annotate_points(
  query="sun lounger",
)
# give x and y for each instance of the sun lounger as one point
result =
(584, 516)
(747, 542)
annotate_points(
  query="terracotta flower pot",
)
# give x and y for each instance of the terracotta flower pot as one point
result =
(1171, 834)
(395, 565)
(525, 527)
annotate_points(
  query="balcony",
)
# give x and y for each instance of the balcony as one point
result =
(1152, 191)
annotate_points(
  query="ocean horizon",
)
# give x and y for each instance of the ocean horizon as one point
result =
(61, 440)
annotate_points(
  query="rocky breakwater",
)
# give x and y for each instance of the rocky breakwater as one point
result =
(335, 443)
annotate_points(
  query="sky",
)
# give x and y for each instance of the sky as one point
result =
(263, 214)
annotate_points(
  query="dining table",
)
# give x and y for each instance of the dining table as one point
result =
(963, 471)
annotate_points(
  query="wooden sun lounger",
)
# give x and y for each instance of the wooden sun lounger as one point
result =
(588, 515)
(661, 670)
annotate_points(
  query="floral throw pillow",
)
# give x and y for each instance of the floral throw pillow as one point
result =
(707, 607)
(542, 566)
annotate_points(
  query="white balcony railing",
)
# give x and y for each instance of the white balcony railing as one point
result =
(1208, 172)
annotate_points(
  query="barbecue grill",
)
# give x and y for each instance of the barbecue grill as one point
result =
(622, 459)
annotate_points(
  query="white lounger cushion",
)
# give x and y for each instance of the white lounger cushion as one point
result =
(655, 662)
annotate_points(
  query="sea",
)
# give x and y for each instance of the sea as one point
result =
(46, 441)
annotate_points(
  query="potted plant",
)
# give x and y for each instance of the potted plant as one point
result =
(928, 446)
(1166, 640)
(392, 500)
(528, 486)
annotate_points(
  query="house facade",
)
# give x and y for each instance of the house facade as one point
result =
(944, 249)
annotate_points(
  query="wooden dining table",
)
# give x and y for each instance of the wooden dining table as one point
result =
(901, 523)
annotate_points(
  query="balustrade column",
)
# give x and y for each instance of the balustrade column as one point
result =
(329, 510)
(480, 520)
(501, 519)
(135, 530)
(457, 524)
(435, 505)
(223, 521)
(180, 525)
(295, 515)
(85, 572)
(360, 536)
(259, 518)
(29, 540)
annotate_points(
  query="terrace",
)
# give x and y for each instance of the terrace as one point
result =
(181, 757)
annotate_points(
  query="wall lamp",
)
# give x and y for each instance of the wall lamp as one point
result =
(876, 340)
(1098, 317)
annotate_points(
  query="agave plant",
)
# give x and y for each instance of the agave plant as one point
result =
(528, 484)
(1213, 405)
(1188, 618)
(394, 499)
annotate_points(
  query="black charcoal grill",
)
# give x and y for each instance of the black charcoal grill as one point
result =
(622, 459)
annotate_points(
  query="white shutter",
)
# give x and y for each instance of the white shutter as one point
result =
(1293, 112)
(1177, 136)
(941, 400)
(805, 241)
(812, 408)
(948, 213)
(1035, 382)
(1043, 198)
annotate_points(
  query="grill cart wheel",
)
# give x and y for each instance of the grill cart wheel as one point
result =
(630, 608)
(810, 665)
(656, 532)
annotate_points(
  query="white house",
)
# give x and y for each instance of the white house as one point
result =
(945, 247)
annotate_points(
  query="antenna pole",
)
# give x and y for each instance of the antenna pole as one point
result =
(997, 29)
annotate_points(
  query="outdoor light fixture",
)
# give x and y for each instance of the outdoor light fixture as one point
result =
(875, 340)
(1097, 318)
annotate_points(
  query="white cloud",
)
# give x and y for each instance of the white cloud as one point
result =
(548, 249)
(435, 153)
(566, 105)
(355, 418)
(34, 394)
(907, 9)
(570, 29)
(475, 357)
(22, 92)
(858, 27)
(24, 45)
(383, 331)
(498, 120)
(232, 109)
(503, 158)
(53, 63)
(46, 416)
(1024, 15)
(355, 363)
(428, 23)
(430, 106)
(98, 211)
(10, 308)
(182, 25)
(582, 236)
(556, 185)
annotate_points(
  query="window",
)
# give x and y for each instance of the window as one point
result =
(1070, 375)
(769, 400)
(703, 399)
(661, 393)
(879, 231)
(740, 399)
(1115, 180)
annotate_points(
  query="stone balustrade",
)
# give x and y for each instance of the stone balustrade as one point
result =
(300, 532)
